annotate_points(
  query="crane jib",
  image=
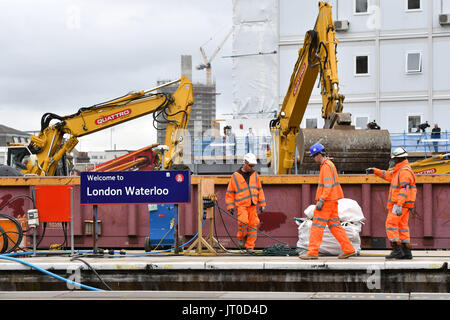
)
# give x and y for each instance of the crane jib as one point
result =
(297, 84)
(113, 116)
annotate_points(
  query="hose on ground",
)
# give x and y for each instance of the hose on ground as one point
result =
(7, 240)
(6, 257)
(283, 249)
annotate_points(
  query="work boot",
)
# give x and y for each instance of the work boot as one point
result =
(406, 247)
(241, 243)
(397, 252)
(347, 255)
(307, 256)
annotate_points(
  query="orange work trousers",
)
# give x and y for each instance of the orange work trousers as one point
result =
(328, 216)
(397, 229)
(248, 215)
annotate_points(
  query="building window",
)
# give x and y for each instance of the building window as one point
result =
(311, 123)
(361, 65)
(413, 123)
(412, 5)
(361, 122)
(361, 6)
(413, 62)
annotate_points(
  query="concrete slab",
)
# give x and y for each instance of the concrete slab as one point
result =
(425, 260)
(414, 264)
(429, 296)
(424, 273)
(360, 296)
(216, 295)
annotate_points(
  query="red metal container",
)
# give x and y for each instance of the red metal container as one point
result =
(126, 226)
(429, 224)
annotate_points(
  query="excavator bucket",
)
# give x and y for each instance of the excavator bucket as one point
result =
(352, 151)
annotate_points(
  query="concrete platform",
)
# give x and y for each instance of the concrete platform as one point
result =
(367, 273)
(215, 295)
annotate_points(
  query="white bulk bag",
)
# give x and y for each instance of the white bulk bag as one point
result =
(352, 219)
(348, 210)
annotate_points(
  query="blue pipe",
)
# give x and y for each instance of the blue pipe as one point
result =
(87, 251)
(91, 251)
(27, 253)
(167, 250)
(9, 257)
(49, 273)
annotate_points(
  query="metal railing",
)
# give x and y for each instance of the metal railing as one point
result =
(230, 149)
(421, 142)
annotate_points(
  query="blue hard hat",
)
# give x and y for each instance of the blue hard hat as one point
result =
(316, 148)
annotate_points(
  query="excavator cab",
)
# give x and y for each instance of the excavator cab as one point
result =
(20, 158)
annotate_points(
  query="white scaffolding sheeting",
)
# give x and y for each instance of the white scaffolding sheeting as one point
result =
(255, 58)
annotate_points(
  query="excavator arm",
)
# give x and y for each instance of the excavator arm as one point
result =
(317, 57)
(55, 140)
(144, 159)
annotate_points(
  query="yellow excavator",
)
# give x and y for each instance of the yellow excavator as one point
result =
(352, 150)
(44, 153)
(439, 164)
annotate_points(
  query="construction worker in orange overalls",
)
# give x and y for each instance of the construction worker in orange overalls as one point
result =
(402, 196)
(244, 194)
(328, 193)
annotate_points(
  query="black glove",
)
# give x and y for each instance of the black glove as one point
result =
(231, 211)
(369, 170)
(319, 204)
(262, 209)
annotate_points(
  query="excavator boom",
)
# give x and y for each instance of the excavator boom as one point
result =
(56, 140)
(143, 159)
(352, 151)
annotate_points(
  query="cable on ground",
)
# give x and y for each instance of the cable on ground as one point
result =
(6, 257)
(283, 249)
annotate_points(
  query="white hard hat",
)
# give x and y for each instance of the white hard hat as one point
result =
(250, 158)
(399, 153)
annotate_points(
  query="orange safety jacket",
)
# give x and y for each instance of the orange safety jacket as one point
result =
(328, 187)
(240, 193)
(402, 191)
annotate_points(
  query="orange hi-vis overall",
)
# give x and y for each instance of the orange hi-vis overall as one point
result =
(329, 190)
(402, 193)
(244, 197)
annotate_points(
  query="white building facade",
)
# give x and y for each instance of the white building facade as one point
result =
(392, 60)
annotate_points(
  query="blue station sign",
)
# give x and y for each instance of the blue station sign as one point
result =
(135, 187)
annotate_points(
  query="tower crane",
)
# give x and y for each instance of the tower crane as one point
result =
(207, 62)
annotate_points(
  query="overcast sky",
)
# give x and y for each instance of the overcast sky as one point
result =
(57, 56)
